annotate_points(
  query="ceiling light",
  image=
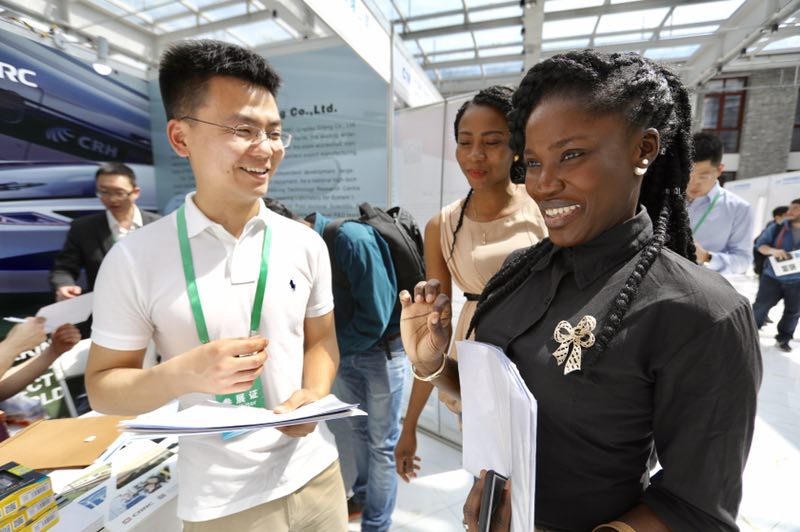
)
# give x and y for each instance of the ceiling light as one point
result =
(101, 66)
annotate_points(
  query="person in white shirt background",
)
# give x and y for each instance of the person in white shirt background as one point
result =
(721, 221)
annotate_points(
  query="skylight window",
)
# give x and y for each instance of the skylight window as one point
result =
(446, 43)
(644, 19)
(166, 10)
(604, 40)
(669, 33)
(262, 32)
(453, 56)
(671, 52)
(179, 23)
(437, 22)
(416, 8)
(783, 44)
(704, 12)
(494, 36)
(492, 14)
(228, 11)
(502, 50)
(559, 29)
(472, 71)
(564, 5)
(507, 67)
(566, 44)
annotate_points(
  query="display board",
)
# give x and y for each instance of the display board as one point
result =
(334, 105)
(58, 120)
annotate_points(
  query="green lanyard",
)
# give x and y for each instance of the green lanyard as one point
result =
(705, 214)
(255, 395)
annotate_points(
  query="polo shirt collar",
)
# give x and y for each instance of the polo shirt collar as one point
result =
(616, 246)
(197, 221)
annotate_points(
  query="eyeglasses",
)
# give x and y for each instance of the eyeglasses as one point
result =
(252, 134)
(113, 194)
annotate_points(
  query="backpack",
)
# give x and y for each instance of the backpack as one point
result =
(400, 231)
(758, 258)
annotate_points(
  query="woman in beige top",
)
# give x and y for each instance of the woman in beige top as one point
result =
(469, 239)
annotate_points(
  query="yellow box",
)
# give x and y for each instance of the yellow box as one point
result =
(19, 486)
(27, 515)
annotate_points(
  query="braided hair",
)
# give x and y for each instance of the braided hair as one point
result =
(648, 95)
(497, 97)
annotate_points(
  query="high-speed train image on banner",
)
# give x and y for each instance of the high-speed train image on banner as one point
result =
(58, 121)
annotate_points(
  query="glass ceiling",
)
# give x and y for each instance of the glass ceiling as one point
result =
(453, 40)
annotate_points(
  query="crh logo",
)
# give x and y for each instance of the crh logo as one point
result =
(62, 135)
(17, 75)
(59, 134)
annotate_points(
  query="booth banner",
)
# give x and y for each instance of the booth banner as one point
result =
(334, 105)
(58, 120)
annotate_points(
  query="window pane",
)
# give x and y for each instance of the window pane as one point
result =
(796, 139)
(797, 112)
(710, 112)
(730, 117)
(730, 141)
(734, 83)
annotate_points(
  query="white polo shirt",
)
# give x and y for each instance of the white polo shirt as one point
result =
(140, 294)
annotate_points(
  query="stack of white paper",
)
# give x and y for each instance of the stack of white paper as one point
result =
(499, 418)
(212, 417)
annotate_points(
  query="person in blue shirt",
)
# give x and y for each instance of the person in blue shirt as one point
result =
(372, 366)
(778, 240)
(721, 221)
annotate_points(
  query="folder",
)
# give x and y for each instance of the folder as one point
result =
(61, 443)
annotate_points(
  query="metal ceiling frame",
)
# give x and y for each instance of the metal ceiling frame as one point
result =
(737, 45)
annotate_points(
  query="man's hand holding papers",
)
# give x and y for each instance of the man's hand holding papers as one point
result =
(212, 417)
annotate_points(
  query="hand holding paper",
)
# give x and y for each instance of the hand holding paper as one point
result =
(299, 398)
(212, 417)
(75, 310)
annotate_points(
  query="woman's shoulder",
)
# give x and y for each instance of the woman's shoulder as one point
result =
(693, 288)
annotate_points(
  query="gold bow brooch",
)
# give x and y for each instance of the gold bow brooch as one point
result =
(579, 337)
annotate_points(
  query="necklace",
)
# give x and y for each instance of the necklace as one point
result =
(477, 220)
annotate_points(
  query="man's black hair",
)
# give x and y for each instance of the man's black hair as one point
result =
(497, 97)
(796, 200)
(186, 66)
(780, 211)
(707, 147)
(648, 95)
(115, 168)
(279, 208)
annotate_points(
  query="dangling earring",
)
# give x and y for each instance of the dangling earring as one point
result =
(516, 157)
(639, 170)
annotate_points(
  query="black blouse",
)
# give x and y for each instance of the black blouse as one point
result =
(683, 372)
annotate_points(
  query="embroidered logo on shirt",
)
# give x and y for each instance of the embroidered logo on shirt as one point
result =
(292, 285)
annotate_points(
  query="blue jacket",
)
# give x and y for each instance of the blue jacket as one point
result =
(367, 311)
(769, 237)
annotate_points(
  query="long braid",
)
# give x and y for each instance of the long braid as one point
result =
(648, 95)
(498, 97)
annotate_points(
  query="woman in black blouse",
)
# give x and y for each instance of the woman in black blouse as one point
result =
(670, 356)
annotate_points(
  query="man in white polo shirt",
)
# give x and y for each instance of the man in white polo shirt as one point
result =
(200, 281)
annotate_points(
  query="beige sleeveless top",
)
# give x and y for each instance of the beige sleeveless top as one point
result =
(481, 247)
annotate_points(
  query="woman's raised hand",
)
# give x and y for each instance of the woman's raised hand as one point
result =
(425, 325)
